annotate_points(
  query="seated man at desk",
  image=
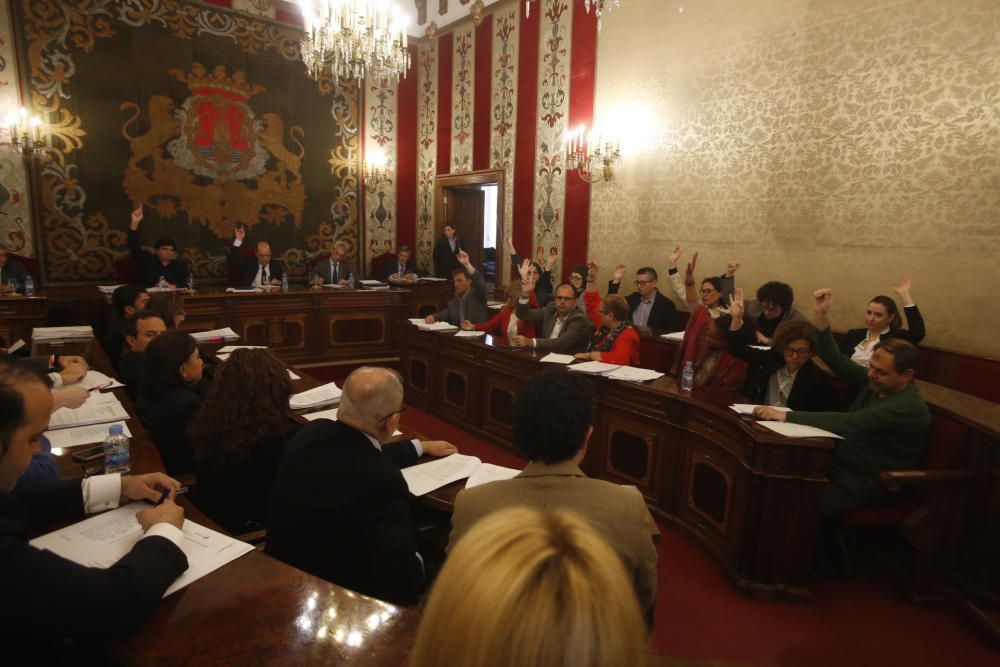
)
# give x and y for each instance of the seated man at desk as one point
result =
(340, 508)
(885, 428)
(162, 265)
(335, 270)
(553, 421)
(127, 300)
(564, 327)
(469, 302)
(12, 272)
(403, 267)
(259, 270)
(646, 305)
(140, 329)
(48, 599)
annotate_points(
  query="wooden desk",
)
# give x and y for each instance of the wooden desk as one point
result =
(746, 494)
(19, 315)
(256, 610)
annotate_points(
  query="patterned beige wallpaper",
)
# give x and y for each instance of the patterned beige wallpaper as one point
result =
(834, 144)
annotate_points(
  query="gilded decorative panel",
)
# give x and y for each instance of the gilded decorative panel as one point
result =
(504, 113)
(462, 99)
(427, 109)
(208, 120)
(15, 212)
(381, 116)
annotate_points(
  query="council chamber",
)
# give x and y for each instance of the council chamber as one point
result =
(499, 332)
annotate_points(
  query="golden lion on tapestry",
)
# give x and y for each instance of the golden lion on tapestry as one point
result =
(210, 157)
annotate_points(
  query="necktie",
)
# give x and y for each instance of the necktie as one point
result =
(461, 309)
(263, 275)
(335, 272)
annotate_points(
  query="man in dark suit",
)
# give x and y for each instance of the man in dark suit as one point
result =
(564, 327)
(553, 417)
(647, 306)
(127, 301)
(163, 263)
(48, 599)
(140, 330)
(470, 300)
(11, 271)
(335, 270)
(403, 268)
(259, 270)
(340, 508)
(446, 253)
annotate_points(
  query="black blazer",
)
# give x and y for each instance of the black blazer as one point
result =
(812, 389)
(393, 267)
(663, 314)
(249, 268)
(446, 261)
(48, 599)
(150, 267)
(340, 509)
(13, 270)
(130, 372)
(113, 341)
(915, 333)
(167, 419)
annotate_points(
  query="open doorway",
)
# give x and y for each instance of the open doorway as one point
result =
(472, 203)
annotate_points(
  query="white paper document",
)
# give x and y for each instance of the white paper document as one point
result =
(674, 335)
(760, 347)
(102, 540)
(293, 376)
(633, 374)
(437, 326)
(96, 379)
(432, 279)
(97, 409)
(495, 305)
(416, 321)
(335, 285)
(154, 290)
(82, 435)
(244, 290)
(594, 367)
(798, 430)
(553, 358)
(224, 333)
(59, 333)
(487, 472)
(371, 283)
(330, 414)
(470, 334)
(108, 289)
(232, 348)
(426, 477)
(16, 346)
(747, 408)
(315, 397)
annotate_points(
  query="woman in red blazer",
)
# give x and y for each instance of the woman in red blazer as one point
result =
(615, 341)
(501, 325)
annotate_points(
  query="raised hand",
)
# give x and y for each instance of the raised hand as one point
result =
(902, 290)
(136, 218)
(527, 277)
(736, 309)
(463, 258)
(689, 271)
(822, 301)
(592, 270)
(731, 268)
(619, 273)
(551, 260)
(675, 257)
(509, 241)
(240, 231)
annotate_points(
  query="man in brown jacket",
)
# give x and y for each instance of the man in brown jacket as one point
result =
(553, 416)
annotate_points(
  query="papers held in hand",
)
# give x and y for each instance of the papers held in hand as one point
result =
(324, 394)
(798, 430)
(427, 477)
(102, 540)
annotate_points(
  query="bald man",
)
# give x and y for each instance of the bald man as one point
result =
(257, 271)
(340, 508)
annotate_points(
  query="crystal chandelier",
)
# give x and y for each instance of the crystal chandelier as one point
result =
(355, 38)
(600, 6)
(25, 133)
(591, 156)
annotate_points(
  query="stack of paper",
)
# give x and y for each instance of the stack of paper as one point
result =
(798, 430)
(470, 334)
(315, 397)
(432, 279)
(335, 285)
(594, 367)
(98, 380)
(633, 374)
(215, 334)
(166, 289)
(82, 435)
(677, 336)
(760, 347)
(553, 358)
(97, 409)
(61, 333)
(437, 326)
(426, 477)
(107, 290)
(488, 472)
(747, 408)
(372, 283)
(242, 290)
(416, 321)
(102, 540)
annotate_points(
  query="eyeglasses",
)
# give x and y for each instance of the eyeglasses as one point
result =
(709, 291)
(402, 409)
(796, 352)
(642, 283)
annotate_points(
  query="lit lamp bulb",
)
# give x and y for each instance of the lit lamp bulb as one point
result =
(375, 169)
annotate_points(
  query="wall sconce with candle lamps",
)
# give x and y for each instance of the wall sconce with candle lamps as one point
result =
(593, 158)
(25, 133)
(376, 172)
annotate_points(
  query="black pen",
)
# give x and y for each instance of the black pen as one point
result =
(166, 493)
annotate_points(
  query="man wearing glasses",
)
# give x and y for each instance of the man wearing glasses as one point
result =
(340, 508)
(162, 264)
(647, 307)
(564, 328)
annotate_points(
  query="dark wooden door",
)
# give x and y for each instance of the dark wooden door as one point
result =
(465, 214)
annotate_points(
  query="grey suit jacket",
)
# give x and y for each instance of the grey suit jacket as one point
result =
(324, 269)
(618, 512)
(575, 334)
(476, 310)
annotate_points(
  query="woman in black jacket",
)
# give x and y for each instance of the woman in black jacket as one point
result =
(786, 375)
(882, 320)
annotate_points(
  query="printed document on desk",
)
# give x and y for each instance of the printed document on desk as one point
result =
(425, 477)
(65, 438)
(554, 358)
(102, 540)
(315, 397)
(633, 374)
(594, 367)
(798, 430)
(97, 409)
(488, 472)
(225, 334)
(94, 379)
(747, 408)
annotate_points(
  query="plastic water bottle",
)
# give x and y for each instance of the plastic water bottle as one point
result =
(162, 282)
(350, 281)
(687, 377)
(29, 285)
(284, 283)
(116, 456)
(191, 282)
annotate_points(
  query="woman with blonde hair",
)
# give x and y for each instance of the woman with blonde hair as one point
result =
(527, 589)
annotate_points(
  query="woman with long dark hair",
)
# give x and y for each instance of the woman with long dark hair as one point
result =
(883, 320)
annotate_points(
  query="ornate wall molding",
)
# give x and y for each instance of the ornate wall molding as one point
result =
(16, 232)
(503, 147)
(427, 112)
(463, 95)
(381, 117)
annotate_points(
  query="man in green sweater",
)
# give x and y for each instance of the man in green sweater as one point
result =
(885, 428)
